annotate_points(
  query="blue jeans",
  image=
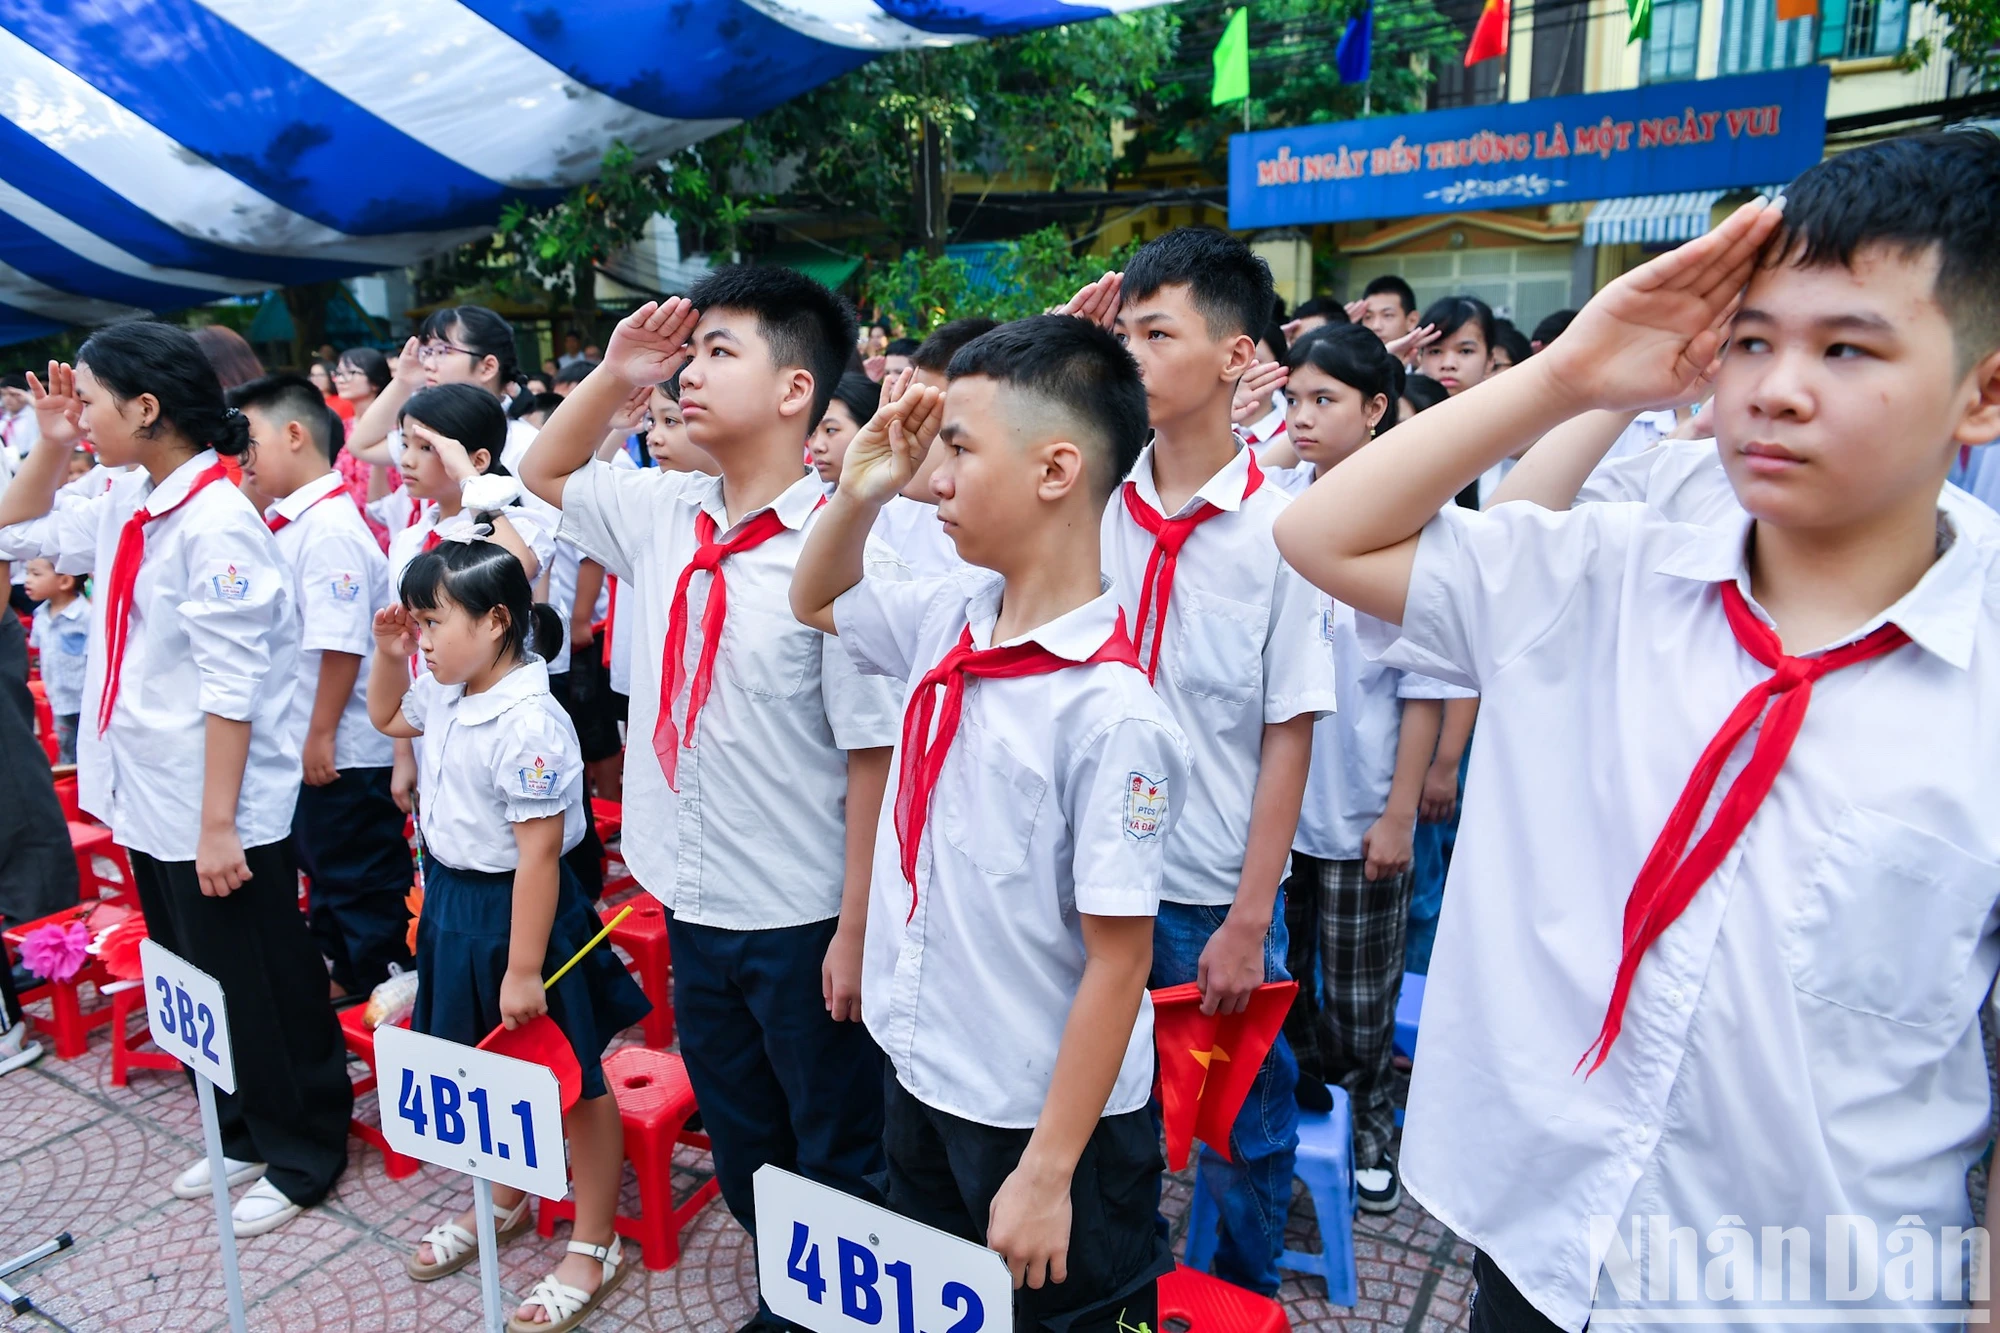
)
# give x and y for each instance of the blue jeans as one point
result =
(1253, 1190)
(1433, 847)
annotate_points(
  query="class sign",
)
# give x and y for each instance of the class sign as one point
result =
(1702, 134)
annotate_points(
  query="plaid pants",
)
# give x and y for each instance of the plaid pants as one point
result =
(1347, 951)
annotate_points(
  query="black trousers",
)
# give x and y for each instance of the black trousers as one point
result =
(1499, 1307)
(944, 1172)
(37, 864)
(292, 1097)
(348, 837)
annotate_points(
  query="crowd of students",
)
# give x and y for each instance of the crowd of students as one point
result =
(976, 687)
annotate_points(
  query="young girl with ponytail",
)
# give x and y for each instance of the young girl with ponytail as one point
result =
(183, 747)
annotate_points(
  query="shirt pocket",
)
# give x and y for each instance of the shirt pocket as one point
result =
(988, 801)
(765, 653)
(1219, 646)
(1888, 921)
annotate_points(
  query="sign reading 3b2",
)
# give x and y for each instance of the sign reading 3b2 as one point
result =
(1667, 138)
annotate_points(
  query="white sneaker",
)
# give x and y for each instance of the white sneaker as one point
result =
(263, 1208)
(193, 1182)
(16, 1051)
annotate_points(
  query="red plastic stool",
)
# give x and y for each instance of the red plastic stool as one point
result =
(90, 841)
(125, 1052)
(654, 1102)
(1193, 1302)
(360, 1041)
(45, 722)
(609, 816)
(68, 1024)
(67, 797)
(643, 935)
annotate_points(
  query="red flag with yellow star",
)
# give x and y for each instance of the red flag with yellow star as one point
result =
(1208, 1061)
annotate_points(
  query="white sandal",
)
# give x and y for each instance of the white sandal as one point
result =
(564, 1304)
(453, 1247)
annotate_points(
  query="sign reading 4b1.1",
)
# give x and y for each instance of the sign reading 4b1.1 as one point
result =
(185, 1011)
(835, 1264)
(487, 1115)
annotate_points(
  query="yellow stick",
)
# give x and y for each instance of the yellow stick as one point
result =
(595, 940)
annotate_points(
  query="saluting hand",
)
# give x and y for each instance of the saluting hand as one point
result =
(887, 452)
(395, 634)
(1254, 390)
(1096, 301)
(650, 345)
(58, 411)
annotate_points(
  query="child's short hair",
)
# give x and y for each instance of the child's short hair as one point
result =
(896, 347)
(1923, 191)
(15, 379)
(1508, 337)
(1227, 282)
(480, 576)
(293, 398)
(462, 412)
(1274, 334)
(803, 323)
(935, 352)
(859, 395)
(1552, 326)
(1423, 392)
(1449, 314)
(1325, 307)
(1391, 285)
(138, 356)
(1078, 369)
(1352, 354)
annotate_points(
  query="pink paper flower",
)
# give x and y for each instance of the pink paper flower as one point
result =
(54, 952)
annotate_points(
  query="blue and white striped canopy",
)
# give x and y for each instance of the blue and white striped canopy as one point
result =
(155, 154)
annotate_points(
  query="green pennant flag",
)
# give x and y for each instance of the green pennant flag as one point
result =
(1638, 20)
(1232, 61)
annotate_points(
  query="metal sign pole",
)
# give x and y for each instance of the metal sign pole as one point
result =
(489, 1256)
(218, 1182)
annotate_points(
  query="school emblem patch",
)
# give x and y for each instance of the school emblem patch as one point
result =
(1145, 805)
(346, 588)
(1326, 623)
(539, 780)
(229, 585)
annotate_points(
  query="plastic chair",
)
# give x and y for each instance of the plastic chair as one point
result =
(1409, 1008)
(359, 1039)
(89, 842)
(1325, 1163)
(1193, 1302)
(643, 936)
(125, 1053)
(655, 1102)
(45, 722)
(69, 1024)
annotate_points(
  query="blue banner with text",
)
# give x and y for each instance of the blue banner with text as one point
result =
(1700, 134)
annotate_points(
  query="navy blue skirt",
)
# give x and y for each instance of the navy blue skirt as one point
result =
(462, 942)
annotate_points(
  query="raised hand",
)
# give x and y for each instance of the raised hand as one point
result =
(1254, 390)
(1416, 340)
(394, 632)
(631, 412)
(1356, 309)
(457, 463)
(1653, 334)
(410, 366)
(887, 452)
(1096, 301)
(58, 411)
(650, 344)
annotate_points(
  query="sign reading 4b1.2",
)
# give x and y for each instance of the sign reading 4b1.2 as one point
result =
(835, 1264)
(185, 1011)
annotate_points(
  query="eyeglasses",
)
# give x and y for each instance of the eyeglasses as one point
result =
(346, 371)
(437, 351)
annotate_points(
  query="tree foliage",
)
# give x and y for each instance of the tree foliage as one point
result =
(918, 292)
(1972, 35)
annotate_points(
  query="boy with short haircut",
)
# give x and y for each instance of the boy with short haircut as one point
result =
(1229, 635)
(1038, 780)
(61, 634)
(1779, 1028)
(745, 724)
(347, 829)
(1389, 308)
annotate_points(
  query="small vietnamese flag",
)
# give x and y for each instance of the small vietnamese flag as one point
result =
(1489, 35)
(1208, 1062)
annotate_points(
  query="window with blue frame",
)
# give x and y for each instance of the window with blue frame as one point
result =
(1754, 40)
(1860, 29)
(1670, 53)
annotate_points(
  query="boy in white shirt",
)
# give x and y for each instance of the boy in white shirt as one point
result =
(757, 752)
(1015, 881)
(61, 634)
(347, 830)
(1229, 635)
(1778, 1028)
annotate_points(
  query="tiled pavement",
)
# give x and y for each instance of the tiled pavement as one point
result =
(80, 1155)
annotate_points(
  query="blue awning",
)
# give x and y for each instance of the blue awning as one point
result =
(1655, 219)
(155, 154)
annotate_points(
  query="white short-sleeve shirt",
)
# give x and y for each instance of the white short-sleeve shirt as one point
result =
(1803, 1042)
(213, 631)
(756, 837)
(1238, 651)
(487, 762)
(911, 529)
(1057, 798)
(62, 636)
(339, 581)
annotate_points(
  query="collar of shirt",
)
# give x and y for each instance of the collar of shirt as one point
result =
(1265, 428)
(1224, 490)
(523, 682)
(78, 609)
(305, 497)
(158, 499)
(1941, 614)
(793, 507)
(1074, 635)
